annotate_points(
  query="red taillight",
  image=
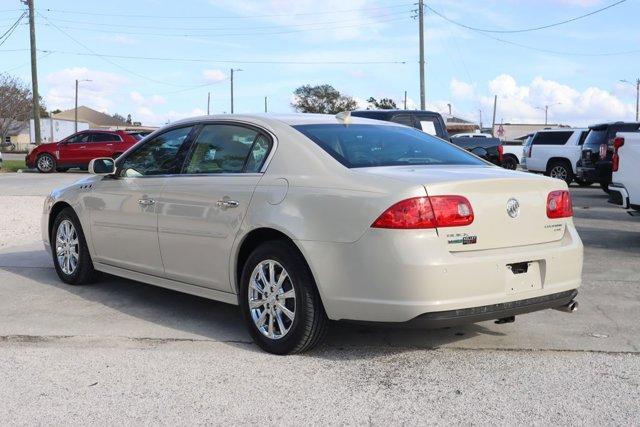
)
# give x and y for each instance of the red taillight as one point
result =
(500, 152)
(559, 204)
(615, 160)
(603, 151)
(427, 212)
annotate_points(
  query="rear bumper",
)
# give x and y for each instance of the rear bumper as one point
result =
(397, 276)
(601, 172)
(618, 195)
(489, 312)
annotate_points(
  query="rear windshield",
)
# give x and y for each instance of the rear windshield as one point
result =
(357, 146)
(596, 137)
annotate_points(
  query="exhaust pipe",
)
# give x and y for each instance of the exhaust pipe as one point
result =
(570, 307)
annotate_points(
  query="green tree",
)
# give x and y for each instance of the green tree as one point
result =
(382, 104)
(321, 99)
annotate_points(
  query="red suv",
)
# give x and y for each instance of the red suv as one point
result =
(77, 150)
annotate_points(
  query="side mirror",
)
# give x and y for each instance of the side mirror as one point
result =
(102, 166)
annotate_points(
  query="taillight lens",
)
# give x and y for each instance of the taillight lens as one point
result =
(615, 160)
(500, 152)
(603, 151)
(559, 204)
(427, 212)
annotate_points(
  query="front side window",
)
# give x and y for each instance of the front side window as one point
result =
(377, 145)
(158, 156)
(227, 149)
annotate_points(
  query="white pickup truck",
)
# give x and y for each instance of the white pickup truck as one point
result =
(624, 189)
(555, 153)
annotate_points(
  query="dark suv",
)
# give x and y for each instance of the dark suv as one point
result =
(597, 152)
(432, 123)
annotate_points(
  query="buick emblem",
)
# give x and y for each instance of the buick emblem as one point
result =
(513, 208)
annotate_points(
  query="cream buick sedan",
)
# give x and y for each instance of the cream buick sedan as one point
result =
(299, 219)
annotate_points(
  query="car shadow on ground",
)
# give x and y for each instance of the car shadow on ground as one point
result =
(199, 318)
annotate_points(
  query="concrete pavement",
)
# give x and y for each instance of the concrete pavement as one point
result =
(124, 352)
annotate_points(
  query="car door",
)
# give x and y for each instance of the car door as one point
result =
(123, 208)
(72, 150)
(102, 145)
(201, 209)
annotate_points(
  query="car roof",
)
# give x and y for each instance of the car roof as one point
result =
(607, 124)
(394, 111)
(562, 130)
(293, 119)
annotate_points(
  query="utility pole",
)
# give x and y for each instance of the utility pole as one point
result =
(265, 104)
(208, 102)
(449, 105)
(232, 71)
(495, 104)
(405, 99)
(34, 72)
(480, 111)
(75, 112)
(421, 34)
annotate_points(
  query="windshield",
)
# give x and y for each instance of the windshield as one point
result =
(358, 146)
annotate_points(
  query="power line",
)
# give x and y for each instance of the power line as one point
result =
(220, 35)
(5, 36)
(115, 64)
(156, 27)
(224, 61)
(74, 12)
(523, 30)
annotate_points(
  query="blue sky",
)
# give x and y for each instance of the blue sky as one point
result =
(354, 45)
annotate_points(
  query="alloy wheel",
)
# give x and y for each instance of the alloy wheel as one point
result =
(559, 172)
(272, 299)
(67, 247)
(45, 163)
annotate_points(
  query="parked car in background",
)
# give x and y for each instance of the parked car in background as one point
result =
(512, 153)
(432, 123)
(139, 134)
(624, 190)
(471, 135)
(77, 150)
(597, 152)
(299, 219)
(555, 153)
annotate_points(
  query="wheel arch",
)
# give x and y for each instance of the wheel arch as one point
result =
(553, 160)
(55, 210)
(512, 156)
(252, 240)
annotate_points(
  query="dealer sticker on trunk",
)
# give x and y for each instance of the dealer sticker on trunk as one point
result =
(461, 239)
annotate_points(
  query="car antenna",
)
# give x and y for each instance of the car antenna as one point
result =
(344, 117)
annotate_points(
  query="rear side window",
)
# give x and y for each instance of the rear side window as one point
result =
(104, 137)
(376, 145)
(403, 119)
(551, 138)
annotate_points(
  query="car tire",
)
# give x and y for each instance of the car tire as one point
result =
(68, 242)
(560, 170)
(62, 169)
(582, 183)
(45, 163)
(605, 187)
(287, 318)
(510, 162)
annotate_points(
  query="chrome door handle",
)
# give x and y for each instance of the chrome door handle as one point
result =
(227, 203)
(146, 202)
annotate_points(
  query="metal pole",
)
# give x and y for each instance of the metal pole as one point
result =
(421, 35)
(75, 112)
(495, 104)
(405, 99)
(480, 111)
(232, 91)
(208, 102)
(546, 114)
(34, 73)
(265, 104)
(637, 98)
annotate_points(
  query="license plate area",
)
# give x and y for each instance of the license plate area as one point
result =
(523, 276)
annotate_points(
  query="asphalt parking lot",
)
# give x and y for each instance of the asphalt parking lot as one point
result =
(124, 352)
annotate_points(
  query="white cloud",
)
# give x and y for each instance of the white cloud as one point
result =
(97, 93)
(567, 105)
(140, 99)
(213, 76)
(148, 117)
(461, 90)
